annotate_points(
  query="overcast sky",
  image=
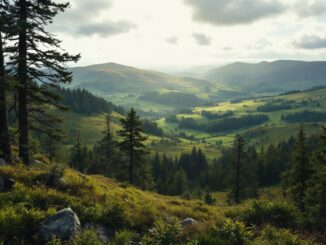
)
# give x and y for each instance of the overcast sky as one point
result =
(178, 34)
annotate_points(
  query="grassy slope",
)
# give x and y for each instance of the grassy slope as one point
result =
(272, 132)
(91, 127)
(100, 200)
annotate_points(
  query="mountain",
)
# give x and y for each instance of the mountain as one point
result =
(115, 78)
(277, 76)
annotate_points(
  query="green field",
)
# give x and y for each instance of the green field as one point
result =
(173, 144)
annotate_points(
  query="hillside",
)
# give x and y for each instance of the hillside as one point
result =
(219, 123)
(112, 78)
(119, 212)
(267, 77)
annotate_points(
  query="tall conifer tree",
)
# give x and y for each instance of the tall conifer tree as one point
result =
(32, 64)
(5, 145)
(132, 144)
(296, 178)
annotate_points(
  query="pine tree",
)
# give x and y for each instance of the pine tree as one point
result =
(295, 179)
(242, 175)
(5, 143)
(78, 155)
(104, 152)
(179, 183)
(51, 142)
(132, 145)
(33, 65)
(316, 191)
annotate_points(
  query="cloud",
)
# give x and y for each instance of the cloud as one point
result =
(310, 8)
(81, 19)
(172, 40)
(105, 29)
(202, 39)
(234, 12)
(227, 48)
(310, 42)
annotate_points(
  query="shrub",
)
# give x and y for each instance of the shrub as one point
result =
(209, 199)
(227, 233)
(273, 236)
(54, 241)
(261, 212)
(86, 237)
(165, 231)
(115, 215)
(18, 222)
(123, 237)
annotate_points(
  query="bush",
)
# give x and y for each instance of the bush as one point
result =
(86, 237)
(116, 216)
(227, 233)
(273, 236)
(123, 237)
(165, 231)
(54, 241)
(19, 222)
(259, 212)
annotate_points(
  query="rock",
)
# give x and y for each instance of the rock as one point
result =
(64, 224)
(37, 162)
(188, 221)
(105, 234)
(6, 184)
(2, 162)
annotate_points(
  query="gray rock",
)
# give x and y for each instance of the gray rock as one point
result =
(64, 224)
(2, 162)
(37, 162)
(6, 184)
(188, 221)
(104, 233)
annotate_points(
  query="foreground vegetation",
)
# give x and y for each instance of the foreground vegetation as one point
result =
(130, 212)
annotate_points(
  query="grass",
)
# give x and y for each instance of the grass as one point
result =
(100, 200)
(274, 131)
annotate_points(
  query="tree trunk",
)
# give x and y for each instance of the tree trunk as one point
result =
(131, 156)
(237, 191)
(5, 147)
(22, 91)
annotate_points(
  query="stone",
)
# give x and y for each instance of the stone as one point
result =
(2, 162)
(188, 221)
(37, 162)
(104, 233)
(64, 224)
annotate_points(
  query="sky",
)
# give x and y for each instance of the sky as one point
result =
(181, 34)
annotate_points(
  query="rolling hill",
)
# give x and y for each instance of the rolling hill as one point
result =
(113, 78)
(270, 77)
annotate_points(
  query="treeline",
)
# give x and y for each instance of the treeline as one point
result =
(240, 170)
(175, 176)
(270, 107)
(225, 124)
(212, 115)
(280, 104)
(152, 128)
(83, 102)
(173, 99)
(305, 116)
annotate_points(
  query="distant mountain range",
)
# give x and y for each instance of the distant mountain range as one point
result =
(277, 76)
(115, 78)
(238, 79)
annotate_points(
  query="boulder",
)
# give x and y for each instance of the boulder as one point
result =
(37, 162)
(64, 224)
(188, 221)
(2, 162)
(6, 184)
(104, 233)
